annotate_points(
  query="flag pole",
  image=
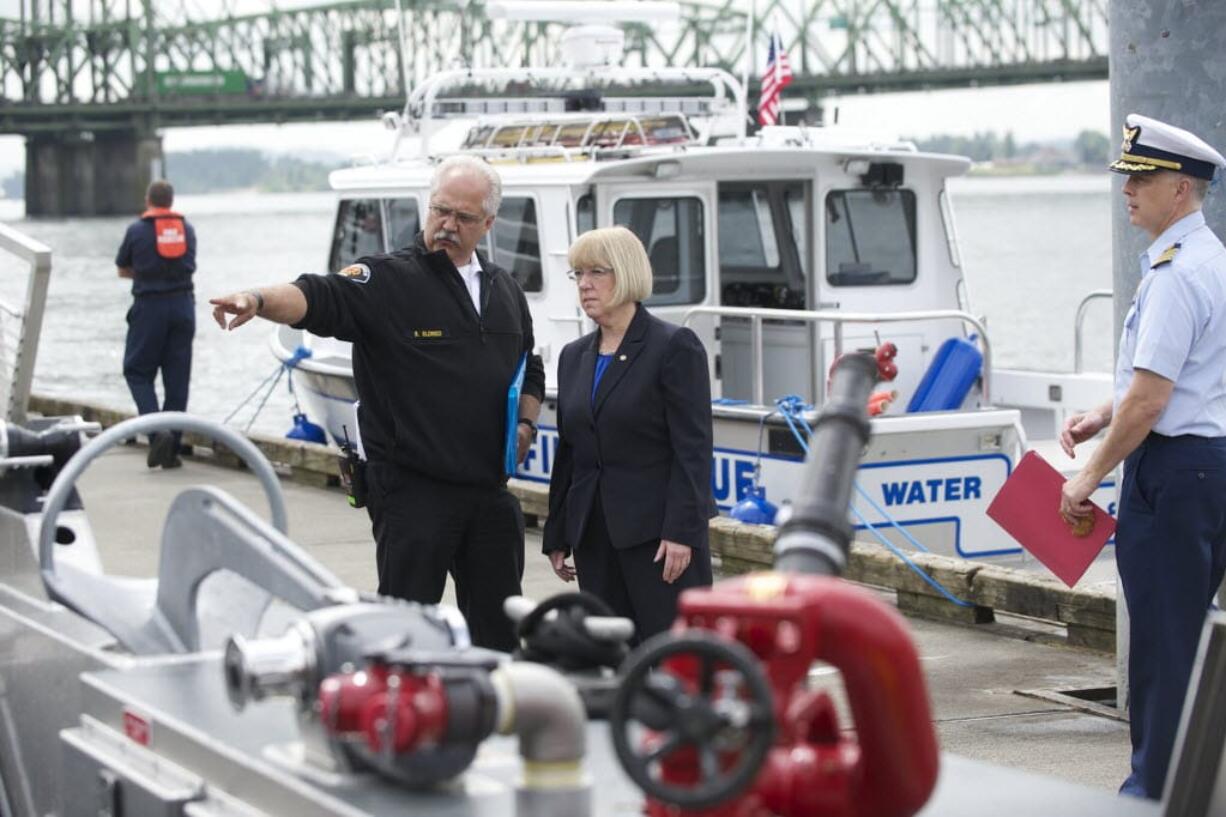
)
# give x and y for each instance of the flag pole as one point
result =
(778, 61)
(749, 58)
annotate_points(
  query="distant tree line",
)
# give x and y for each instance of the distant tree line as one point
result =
(1088, 148)
(219, 170)
(222, 169)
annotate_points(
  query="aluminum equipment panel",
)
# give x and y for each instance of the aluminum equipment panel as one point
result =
(249, 756)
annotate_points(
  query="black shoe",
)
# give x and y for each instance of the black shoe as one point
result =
(163, 451)
(154, 458)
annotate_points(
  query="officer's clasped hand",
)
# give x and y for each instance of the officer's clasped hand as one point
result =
(240, 304)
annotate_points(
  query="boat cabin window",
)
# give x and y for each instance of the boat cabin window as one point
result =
(514, 243)
(403, 222)
(794, 195)
(585, 214)
(759, 261)
(870, 237)
(359, 232)
(672, 231)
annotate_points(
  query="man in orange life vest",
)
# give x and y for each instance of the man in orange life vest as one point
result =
(158, 254)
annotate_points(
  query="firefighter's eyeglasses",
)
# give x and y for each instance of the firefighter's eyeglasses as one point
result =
(465, 219)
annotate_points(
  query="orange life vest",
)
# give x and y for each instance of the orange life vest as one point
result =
(171, 232)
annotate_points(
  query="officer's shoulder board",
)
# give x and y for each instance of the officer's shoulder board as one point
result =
(1168, 255)
(358, 273)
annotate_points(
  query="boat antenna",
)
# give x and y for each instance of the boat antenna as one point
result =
(400, 42)
(745, 66)
(402, 47)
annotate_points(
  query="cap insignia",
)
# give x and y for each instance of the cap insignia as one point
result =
(1130, 136)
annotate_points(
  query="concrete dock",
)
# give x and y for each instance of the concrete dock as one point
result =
(974, 672)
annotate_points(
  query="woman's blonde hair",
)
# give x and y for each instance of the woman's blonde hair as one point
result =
(620, 250)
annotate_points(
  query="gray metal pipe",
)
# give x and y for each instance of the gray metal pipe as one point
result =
(815, 535)
(543, 709)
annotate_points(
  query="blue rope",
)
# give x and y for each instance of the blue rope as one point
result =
(905, 534)
(936, 585)
(300, 354)
(792, 408)
(757, 462)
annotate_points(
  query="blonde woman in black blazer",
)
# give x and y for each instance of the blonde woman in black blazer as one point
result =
(630, 493)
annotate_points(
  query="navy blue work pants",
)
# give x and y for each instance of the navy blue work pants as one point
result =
(1171, 551)
(425, 529)
(160, 332)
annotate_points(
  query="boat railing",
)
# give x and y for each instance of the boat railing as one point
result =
(426, 107)
(21, 325)
(1079, 325)
(838, 320)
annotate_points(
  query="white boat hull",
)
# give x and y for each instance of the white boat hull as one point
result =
(925, 481)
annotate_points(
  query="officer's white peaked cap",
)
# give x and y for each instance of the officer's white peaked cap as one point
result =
(1150, 145)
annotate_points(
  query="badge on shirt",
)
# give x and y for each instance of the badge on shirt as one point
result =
(428, 334)
(358, 273)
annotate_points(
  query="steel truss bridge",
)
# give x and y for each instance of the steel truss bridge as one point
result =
(98, 65)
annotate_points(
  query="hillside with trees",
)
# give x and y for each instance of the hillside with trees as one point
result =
(994, 154)
(227, 169)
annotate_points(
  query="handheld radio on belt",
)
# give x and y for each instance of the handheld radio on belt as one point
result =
(353, 472)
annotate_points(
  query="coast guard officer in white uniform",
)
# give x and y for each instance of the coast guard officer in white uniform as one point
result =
(1168, 424)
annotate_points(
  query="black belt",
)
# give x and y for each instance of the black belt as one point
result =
(162, 294)
(1155, 438)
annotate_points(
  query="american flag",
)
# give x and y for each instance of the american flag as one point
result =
(776, 77)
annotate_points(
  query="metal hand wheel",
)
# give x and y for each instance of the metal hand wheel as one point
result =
(706, 715)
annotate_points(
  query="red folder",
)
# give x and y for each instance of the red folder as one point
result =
(1028, 508)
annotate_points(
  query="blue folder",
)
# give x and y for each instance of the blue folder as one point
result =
(510, 458)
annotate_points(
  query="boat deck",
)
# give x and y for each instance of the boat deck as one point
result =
(973, 673)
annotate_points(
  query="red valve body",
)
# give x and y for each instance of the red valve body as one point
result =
(369, 702)
(888, 768)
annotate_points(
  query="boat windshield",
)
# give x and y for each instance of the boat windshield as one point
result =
(403, 222)
(359, 232)
(514, 242)
(671, 230)
(870, 237)
(760, 260)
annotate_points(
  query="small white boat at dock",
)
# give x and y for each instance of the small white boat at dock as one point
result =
(780, 249)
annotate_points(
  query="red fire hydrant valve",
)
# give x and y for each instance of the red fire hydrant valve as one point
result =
(717, 719)
(384, 704)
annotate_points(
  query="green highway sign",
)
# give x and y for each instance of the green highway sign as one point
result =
(201, 83)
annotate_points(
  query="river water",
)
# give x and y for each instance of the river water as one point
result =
(1031, 248)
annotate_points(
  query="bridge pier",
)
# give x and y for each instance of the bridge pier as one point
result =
(102, 173)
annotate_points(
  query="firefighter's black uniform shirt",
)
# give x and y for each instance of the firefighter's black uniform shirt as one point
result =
(431, 373)
(433, 376)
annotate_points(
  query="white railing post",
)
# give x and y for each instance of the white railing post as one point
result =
(1078, 326)
(29, 318)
